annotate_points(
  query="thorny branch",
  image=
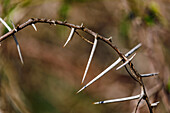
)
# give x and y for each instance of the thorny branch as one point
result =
(133, 72)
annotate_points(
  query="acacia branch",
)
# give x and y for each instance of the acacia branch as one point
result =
(134, 72)
(57, 22)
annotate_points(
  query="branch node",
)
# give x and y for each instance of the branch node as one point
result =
(96, 36)
(53, 22)
(65, 21)
(13, 26)
(110, 38)
(32, 19)
(127, 61)
(82, 25)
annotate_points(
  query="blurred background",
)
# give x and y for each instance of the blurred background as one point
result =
(51, 75)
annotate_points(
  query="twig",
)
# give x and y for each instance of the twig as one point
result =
(84, 38)
(127, 61)
(150, 93)
(140, 99)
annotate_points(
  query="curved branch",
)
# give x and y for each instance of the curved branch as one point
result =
(122, 57)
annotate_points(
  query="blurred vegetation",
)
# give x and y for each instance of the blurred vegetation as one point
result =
(51, 75)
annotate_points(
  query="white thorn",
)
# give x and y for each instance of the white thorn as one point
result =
(100, 75)
(15, 29)
(128, 60)
(110, 38)
(155, 104)
(20, 55)
(81, 89)
(118, 100)
(109, 68)
(150, 74)
(90, 59)
(5, 24)
(132, 50)
(70, 36)
(33, 25)
(18, 48)
(82, 24)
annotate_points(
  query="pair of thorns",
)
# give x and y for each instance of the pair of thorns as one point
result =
(15, 39)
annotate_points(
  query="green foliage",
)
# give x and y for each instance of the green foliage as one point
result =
(63, 13)
(3, 76)
(40, 104)
(5, 3)
(155, 8)
(124, 28)
(124, 31)
(169, 86)
(153, 14)
(71, 1)
(64, 10)
(7, 7)
(26, 3)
